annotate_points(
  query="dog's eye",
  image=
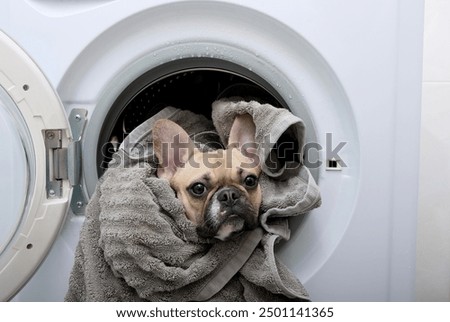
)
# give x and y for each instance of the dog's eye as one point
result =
(198, 189)
(250, 181)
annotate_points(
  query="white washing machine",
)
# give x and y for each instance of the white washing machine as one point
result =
(351, 69)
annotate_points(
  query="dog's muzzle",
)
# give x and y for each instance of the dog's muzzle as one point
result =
(228, 213)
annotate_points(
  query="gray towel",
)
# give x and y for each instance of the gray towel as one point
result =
(136, 243)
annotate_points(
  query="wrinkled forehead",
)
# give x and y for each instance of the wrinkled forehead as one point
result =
(217, 167)
(226, 160)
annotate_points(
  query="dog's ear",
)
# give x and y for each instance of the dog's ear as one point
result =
(242, 135)
(172, 146)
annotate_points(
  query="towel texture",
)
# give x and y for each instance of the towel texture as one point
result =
(137, 245)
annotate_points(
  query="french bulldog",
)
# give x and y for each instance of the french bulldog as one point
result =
(219, 189)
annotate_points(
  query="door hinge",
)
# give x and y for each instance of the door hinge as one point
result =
(77, 121)
(56, 164)
(65, 162)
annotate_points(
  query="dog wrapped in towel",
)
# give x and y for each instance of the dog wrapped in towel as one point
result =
(137, 244)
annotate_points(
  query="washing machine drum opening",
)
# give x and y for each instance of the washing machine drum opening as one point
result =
(190, 85)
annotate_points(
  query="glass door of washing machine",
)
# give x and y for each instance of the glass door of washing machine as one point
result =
(35, 144)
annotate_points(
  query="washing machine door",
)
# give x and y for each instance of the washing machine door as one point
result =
(35, 146)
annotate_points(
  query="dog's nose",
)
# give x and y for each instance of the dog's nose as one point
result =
(228, 196)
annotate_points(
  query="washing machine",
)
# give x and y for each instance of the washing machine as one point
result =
(77, 76)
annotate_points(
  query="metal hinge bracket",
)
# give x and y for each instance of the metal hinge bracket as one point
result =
(77, 121)
(65, 163)
(56, 165)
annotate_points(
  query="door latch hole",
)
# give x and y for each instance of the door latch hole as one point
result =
(333, 165)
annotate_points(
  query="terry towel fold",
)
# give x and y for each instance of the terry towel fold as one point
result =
(137, 245)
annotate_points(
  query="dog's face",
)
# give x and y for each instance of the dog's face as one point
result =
(219, 190)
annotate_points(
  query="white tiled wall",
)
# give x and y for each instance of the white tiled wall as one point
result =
(433, 246)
